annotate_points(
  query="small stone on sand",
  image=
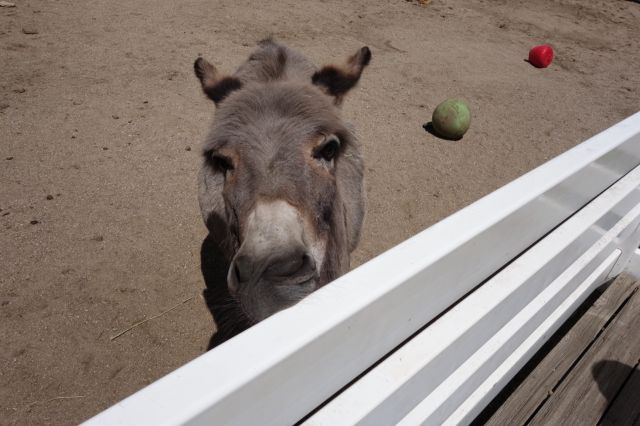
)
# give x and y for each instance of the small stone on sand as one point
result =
(29, 30)
(7, 4)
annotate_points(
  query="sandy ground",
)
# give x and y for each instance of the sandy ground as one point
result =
(101, 121)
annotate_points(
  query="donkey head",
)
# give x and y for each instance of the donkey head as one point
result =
(281, 187)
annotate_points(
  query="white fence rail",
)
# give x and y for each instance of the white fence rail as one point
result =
(538, 246)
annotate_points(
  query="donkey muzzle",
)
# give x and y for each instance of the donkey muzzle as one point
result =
(275, 265)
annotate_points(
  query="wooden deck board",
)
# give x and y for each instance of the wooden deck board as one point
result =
(584, 395)
(534, 390)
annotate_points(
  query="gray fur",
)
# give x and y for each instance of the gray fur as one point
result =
(266, 125)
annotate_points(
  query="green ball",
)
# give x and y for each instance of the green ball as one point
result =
(451, 119)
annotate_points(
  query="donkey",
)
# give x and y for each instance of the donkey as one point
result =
(281, 185)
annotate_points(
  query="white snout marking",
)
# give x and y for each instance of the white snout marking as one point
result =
(272, 224)
(277, 224)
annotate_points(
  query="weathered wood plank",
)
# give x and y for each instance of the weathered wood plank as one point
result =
(532, 391)
(584, 395)
(625, 409)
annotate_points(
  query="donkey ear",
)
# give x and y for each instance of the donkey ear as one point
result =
(215, 86)
(336, 80)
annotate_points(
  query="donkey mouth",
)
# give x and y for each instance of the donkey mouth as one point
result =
(300, 280)
(268, 297)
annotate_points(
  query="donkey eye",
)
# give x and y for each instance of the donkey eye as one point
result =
(222, 163)
(328, 151)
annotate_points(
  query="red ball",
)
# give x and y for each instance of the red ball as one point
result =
(541, 56)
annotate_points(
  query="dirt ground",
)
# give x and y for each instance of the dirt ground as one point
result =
(101, 121)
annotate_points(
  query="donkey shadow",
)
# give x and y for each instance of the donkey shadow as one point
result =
(226, 313)
(611, 376)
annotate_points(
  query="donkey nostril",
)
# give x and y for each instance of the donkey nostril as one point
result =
(237, 272)
(243, 269)
(308, 263)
